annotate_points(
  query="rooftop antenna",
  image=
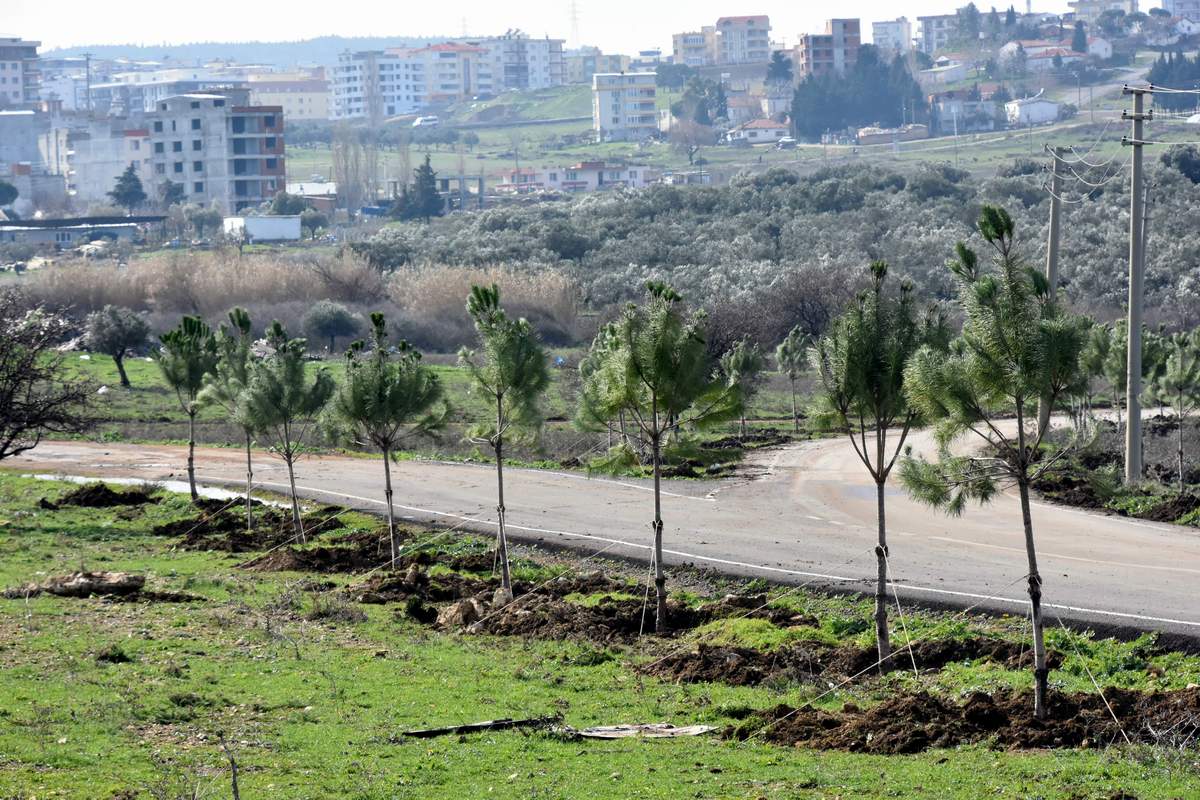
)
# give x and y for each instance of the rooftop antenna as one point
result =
(464, 28)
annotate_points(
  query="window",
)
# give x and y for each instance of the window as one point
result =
(198, 187)
(269, 142)
(239, 124)
(269, 121)
(196, 123)
(197, 166)
(159, 147)
(195, 104)
(218, 103)
(272, 163)
(179, 167)
(176, 147)
(160, 169)
(553, 176)
(158, 127)
(197, 145)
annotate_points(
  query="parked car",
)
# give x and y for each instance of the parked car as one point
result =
(426, 122)
(786, 143)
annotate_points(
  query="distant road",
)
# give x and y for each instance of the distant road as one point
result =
(804, 513)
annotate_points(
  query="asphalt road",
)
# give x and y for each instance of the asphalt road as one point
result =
(804, 513)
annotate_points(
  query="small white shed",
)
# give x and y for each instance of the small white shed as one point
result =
(1031, 111)
(264, 229)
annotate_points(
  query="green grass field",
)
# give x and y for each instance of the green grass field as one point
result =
(123, 700)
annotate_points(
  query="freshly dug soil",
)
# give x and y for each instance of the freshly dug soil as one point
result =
(355, 552)
(608, 622)
(912, 723)
(1173, 509)
(126, 587)
(804, 662)
(100, 495)
(221, 526)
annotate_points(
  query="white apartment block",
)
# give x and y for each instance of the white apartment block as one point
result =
(586, 176)
(744, 40)
(378, 84)
(301, 97)
(936, 32)
(1188, 9)
(219, 149)
(893, 37)
(695, 48)
(20, 77)
(623, 106)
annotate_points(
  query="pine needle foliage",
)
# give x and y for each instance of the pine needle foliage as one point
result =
(742, 366)
(225, 384)
(1179, 385)
(188, 353)
(860, 365)
(651, 367)
(510, 370)
(386, 396)
(791, 359)
(1016, 345)
(283, 405)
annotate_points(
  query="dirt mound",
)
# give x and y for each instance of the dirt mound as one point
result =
(608, 622)
(355, 552)
(912, 723)
(100, 495)
(115, 586)
(764, 438)
(416, 585)
(806, 661)
(221, 526)
(1172, 509)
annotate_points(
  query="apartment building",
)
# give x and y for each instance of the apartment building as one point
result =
(586, 176)
(585, 62)
(301, 95)
(623, 106)
(216, 146)
(377, 84)
(936, 32)
(695, 48)
(743, 40)
(1089, 11)
(1188, 9)
(833, 51)
(892, 37)
(20, 75)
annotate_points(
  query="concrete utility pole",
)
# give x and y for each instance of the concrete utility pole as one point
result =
(87, 67)
(1133, 389)
(1052, 257)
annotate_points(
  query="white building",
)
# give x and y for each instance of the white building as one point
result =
(1031, 111)
(893, 37)
(759, 131)
(20, 77)
(216, 148)
(744, 40)
(936, 32)
(623, 106)
(377, 84)
(586, 176)
(950, 72)
(270, 228)
(1189, 9)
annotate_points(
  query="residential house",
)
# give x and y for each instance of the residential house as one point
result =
(948, 72)
(1031, 111)
(759, 131)
(1090, 11)
(624, 106)
(905, 133)
(833, 51)
(956, 113)
(586, 176)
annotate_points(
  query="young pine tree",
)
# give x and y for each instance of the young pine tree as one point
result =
(743, 368)
(283, 404)
(188, 354)
(861, 365)
(1016, 346)
(228, 381)
(511, 373)
(386, 396)
(1179, 385)
(654, 370)
(791, 356)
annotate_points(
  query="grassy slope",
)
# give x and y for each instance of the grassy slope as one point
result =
(326, 724)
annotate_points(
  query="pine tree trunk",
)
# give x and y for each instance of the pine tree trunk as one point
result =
(882, 637)
(120, 362)
(387, 493)
(795, 412)
(1040, 672)
(249, 486)
(660, 577)
(191, 459)
(297, 521)
(501, 536)
(331, 338)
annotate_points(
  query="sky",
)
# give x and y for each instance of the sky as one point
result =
(616, 26)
